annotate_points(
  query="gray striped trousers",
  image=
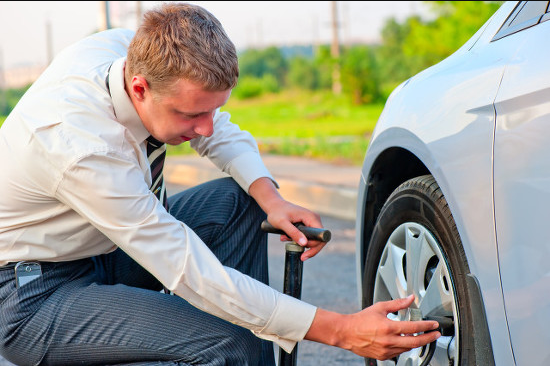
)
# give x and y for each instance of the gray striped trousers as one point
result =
(108, 310)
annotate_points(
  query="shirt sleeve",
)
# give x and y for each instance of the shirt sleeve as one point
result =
(234, 151)
(108, 189)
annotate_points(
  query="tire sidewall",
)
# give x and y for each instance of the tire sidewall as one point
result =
(417, 202)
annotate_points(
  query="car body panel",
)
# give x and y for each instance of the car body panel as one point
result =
(445, 116)
(522, 195)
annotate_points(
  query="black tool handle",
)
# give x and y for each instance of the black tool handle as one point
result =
(446, 325)
(293, 272)
(311, 233)
(292, 286)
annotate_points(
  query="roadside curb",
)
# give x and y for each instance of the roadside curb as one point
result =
(303, 182)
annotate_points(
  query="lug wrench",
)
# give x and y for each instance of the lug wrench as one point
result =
(292, 284)
(446, 328)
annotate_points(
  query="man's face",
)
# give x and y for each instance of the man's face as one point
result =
(181, 115)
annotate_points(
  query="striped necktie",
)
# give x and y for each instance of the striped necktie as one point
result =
(156, 153)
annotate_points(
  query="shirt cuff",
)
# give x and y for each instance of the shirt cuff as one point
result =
(247, 168)
(289, 323)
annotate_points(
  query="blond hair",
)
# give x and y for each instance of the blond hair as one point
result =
(180, 40)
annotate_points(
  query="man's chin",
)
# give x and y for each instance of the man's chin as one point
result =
(178, 140)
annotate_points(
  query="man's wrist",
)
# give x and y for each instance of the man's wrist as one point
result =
(328, 328)
(265, 193)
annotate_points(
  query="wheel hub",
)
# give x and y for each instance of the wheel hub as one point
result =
(412, 262)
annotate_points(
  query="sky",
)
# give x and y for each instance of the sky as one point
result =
(25, 25)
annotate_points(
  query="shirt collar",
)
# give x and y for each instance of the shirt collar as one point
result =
(124, 109)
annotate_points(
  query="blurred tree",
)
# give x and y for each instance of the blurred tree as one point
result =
(360, 74)
(393, 64)
(252, 86)
(324, 62)
(410, 46)
(455, 22)
(259, 62)
(302, 73)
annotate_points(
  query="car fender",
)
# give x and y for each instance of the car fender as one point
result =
(478, 240)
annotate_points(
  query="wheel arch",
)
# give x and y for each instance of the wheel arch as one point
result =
(392, 167)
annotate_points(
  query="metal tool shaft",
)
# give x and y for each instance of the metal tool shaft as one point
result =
(292, 284)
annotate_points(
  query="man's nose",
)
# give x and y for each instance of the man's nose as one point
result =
(205, 126)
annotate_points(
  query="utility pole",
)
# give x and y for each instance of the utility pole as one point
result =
(335, 51)
(3, 87)
(105, 17)
(49, 42)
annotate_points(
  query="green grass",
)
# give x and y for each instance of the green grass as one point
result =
(303, 114)
(310, 124)
(348, 150)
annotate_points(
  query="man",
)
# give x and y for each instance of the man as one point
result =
(85, 208)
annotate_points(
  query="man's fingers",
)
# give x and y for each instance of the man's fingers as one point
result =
(293, 233)
(400, 344)
(397, 304)
(421, 326)
(395, 345)
(407, 327)
(312, 251)
(416, 341)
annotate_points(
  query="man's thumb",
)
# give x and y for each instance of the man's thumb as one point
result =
(399, 304)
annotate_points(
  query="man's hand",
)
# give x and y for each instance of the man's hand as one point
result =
(369, 333)
(284, 218)
(283, 215)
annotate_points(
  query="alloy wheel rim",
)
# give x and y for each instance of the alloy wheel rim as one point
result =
(413, 263)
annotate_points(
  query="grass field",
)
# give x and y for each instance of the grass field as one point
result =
(303, 114)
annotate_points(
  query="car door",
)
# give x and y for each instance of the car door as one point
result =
(522, 191)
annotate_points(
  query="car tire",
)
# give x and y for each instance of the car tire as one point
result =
(415, 226)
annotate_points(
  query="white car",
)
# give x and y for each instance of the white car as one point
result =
(454, 200)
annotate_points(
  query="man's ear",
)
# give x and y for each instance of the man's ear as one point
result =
(138, 87)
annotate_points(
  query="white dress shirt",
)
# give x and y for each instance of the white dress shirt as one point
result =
(75, 183)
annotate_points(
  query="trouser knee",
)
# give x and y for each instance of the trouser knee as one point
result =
(244, 348)
(228, 221)
(221, 201)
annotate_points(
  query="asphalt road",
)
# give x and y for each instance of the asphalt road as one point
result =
(328, 282)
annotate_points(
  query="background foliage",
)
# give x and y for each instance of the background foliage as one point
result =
(369, 72)
(284, 95)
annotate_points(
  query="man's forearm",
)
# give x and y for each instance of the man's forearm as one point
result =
(265, 193)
